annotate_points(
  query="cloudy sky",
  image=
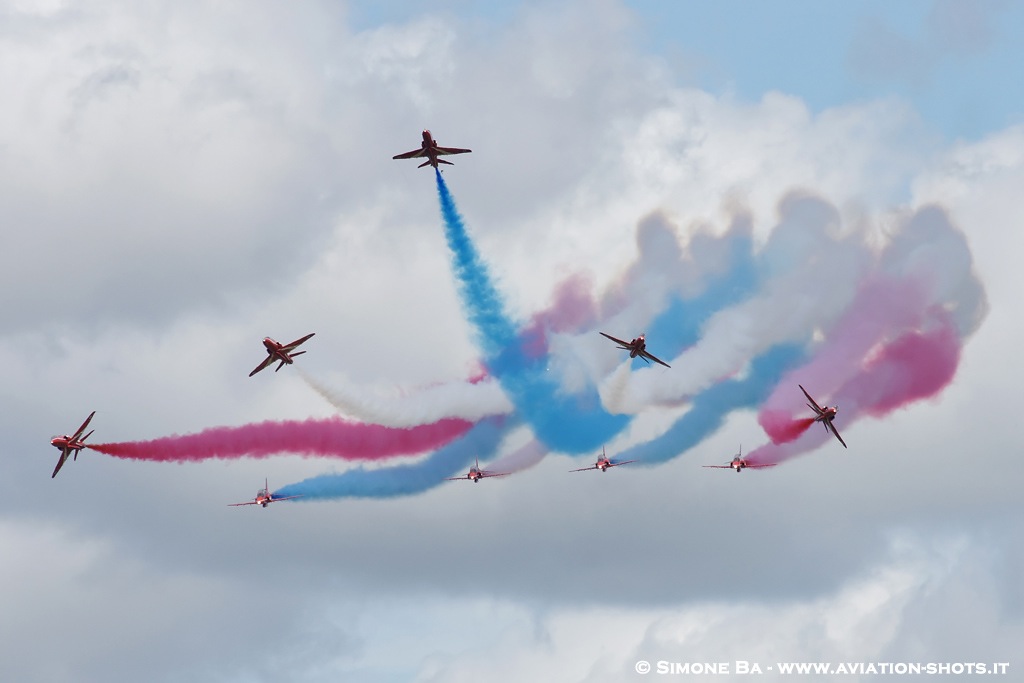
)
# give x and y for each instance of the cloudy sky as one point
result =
(181, 179)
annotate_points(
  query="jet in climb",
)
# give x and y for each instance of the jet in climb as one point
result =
(430, 149)
(264, 497)
(475, 474)
(276, 351)
(603, 463)
(740, 463)
(637, 349)
(824, 415)
(70, 444)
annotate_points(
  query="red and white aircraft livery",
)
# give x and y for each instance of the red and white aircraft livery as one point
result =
(264, 497)
(824, 415)
(70, 444)
(276, 351)
(603, 463)
(430, 150)
(637, 349)
(739, 463)
(475, 474)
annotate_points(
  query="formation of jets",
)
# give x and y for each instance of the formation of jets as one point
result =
(264, 497)
(824, 415)
(740, 463)
(284, 354)
(430, 150)
(603, 463)
(637, 349)
(70, 444)
(276, 351)
(475, 474)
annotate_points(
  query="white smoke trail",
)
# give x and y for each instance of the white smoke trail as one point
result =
(464, 400)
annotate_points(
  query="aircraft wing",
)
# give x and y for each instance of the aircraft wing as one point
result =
(266, 363)
(274, 499)
(836, 432)
(624, 344)
(464, 476)
(421, 152)
(60, 463)
(584, 469)
(766, 464)
(719, 467)
(624, 462)
(84, 425)
(484, 475)
(814, 404)
(296, 343)
(451, 150)
(232, 505)
(645, 354)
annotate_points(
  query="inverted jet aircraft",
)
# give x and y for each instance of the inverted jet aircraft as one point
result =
(603, 463)
(276, 351)
(475, 474)
(740, 463)
(637, 349)
(824, 415)
(264, 497)
(430, 150)
(70, 444)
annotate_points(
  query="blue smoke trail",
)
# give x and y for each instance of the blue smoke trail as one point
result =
(573, 424)
(710, 408)
(679, 325)
(404, 480)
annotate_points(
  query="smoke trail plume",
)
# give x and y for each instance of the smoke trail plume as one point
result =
(403, 480)
(470, 400)
(569, 423)
(334, 437)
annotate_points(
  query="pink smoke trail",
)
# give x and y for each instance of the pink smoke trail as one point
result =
(520, 459)
(781, 427)
(331, 437)
(916, 365)
(880, 309)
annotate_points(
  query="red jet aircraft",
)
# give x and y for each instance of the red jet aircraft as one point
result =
(430, 150)
(739, 463)
(603, 463)
(70, 444)
(475, 474)
(637, 348)
(276, 351)
(824, 415)
(264, 497)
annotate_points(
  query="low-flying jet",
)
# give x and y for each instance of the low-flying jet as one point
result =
(70, 444)
(740, 463)
(276, 351)
(824, 415)
(264, 497)
(430, 150)
(603, 463)
(475, 474)
(637, 349)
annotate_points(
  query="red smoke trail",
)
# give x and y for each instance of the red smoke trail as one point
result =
(881, 309)
(912, 367)
(331, 437)
(781, 428)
